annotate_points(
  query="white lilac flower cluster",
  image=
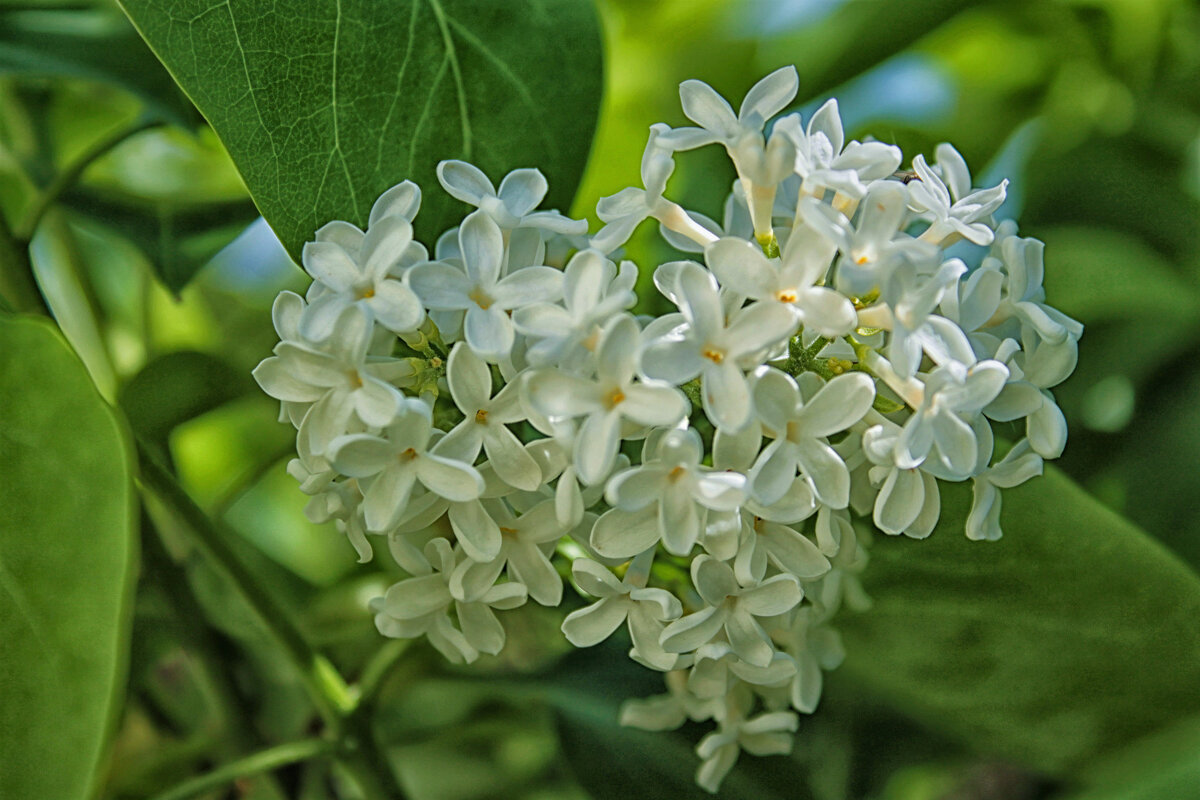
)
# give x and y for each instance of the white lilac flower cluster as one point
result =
(498, 421)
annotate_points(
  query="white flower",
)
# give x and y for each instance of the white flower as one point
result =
(950, 205)
(399, 459)
(911, 297)
(366, 277)
(628, 208)
(706, 346)
(847, 321)
(521, 191)
(783, 546)
(801, 426)
(475, 530)
(485, 421)
(983, 523)
(1026, 394)
(523, 539)
(938, 425)
(908, 501)
(336, 377)
(742, 267)
(825, 161)
(629, 601)
(1024, 295)
(761, 163)
(612, 397)
(665, 712)
(872, 245)
(732, 607)
(769, 733)
(665, 498)
(816, 648)
(419, 605)
(479, 289)
(594, 289)
(717, 669)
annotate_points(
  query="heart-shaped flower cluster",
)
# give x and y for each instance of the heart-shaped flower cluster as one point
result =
(496, 415)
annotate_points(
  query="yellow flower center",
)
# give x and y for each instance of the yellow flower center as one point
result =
(480, 298)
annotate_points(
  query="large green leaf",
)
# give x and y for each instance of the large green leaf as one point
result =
(324, 104)
(1072, 635)
(67, 556)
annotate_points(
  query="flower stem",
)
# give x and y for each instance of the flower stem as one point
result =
(262, 761)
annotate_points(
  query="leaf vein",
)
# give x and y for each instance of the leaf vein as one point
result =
(452, 56)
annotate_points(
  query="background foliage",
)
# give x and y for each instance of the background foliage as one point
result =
(1061, 662)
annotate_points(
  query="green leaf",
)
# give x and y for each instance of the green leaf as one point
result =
(176, 387)
(324, 105)
(1097, 274)
(67, 564)
(1165, 764)
(94, 44)
(1072, 635)
(178, 240)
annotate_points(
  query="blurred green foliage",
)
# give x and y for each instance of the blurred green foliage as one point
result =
(1091, 107)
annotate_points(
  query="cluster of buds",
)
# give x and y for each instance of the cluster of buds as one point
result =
(502, 423)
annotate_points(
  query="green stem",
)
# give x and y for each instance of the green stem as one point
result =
(379, 668)
(263, 761)
(67, 178)
(329, 692)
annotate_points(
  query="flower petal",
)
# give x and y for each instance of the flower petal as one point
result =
(595, 623)
(476, 531)
(464, 181)
(837, 405)
(687, 633)
(402, 200)
(702, 105)
(522, 190)
(624, 534)
(453, 480)
(770, 95)
(489, 332)
(330, 264)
